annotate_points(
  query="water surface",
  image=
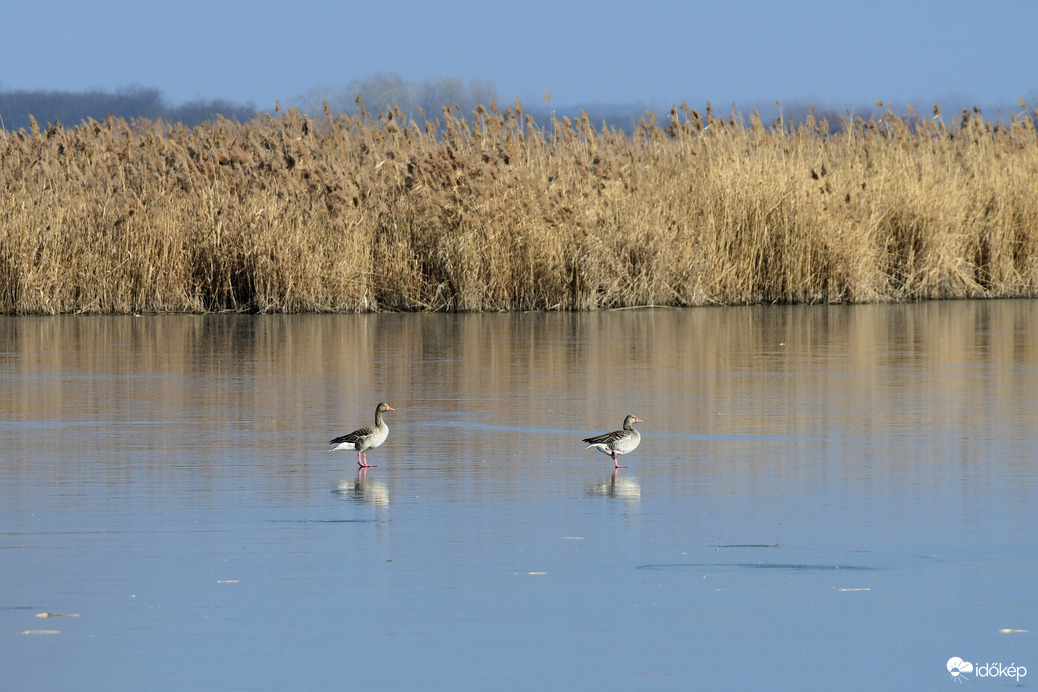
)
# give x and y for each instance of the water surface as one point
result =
(825, 497)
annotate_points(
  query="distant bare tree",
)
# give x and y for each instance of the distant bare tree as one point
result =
(383, 90)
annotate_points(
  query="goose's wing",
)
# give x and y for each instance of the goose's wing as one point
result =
(607, 438)
(353, 437)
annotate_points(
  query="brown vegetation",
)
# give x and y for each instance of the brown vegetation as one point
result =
(340, 213)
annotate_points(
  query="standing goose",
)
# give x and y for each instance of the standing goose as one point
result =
(366, 438)
(618, 441)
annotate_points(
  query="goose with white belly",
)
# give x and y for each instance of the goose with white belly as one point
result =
(363, 439)
(619, 441)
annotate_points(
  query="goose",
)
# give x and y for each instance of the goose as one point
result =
(618, 441)
(365, 438)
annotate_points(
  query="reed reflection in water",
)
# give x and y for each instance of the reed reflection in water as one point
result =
(809, 479)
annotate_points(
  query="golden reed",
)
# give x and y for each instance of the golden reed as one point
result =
(354, 213)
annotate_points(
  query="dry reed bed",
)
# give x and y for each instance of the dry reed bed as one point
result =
(340, 213)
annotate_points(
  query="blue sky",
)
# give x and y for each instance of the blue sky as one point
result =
(603, 52)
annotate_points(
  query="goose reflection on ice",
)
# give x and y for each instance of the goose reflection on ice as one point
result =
(363, 489)
(622, 487)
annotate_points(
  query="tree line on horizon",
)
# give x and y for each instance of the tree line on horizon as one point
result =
(71, 108)
(418, 101)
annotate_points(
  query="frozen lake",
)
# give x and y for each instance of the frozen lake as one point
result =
(832, 497)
